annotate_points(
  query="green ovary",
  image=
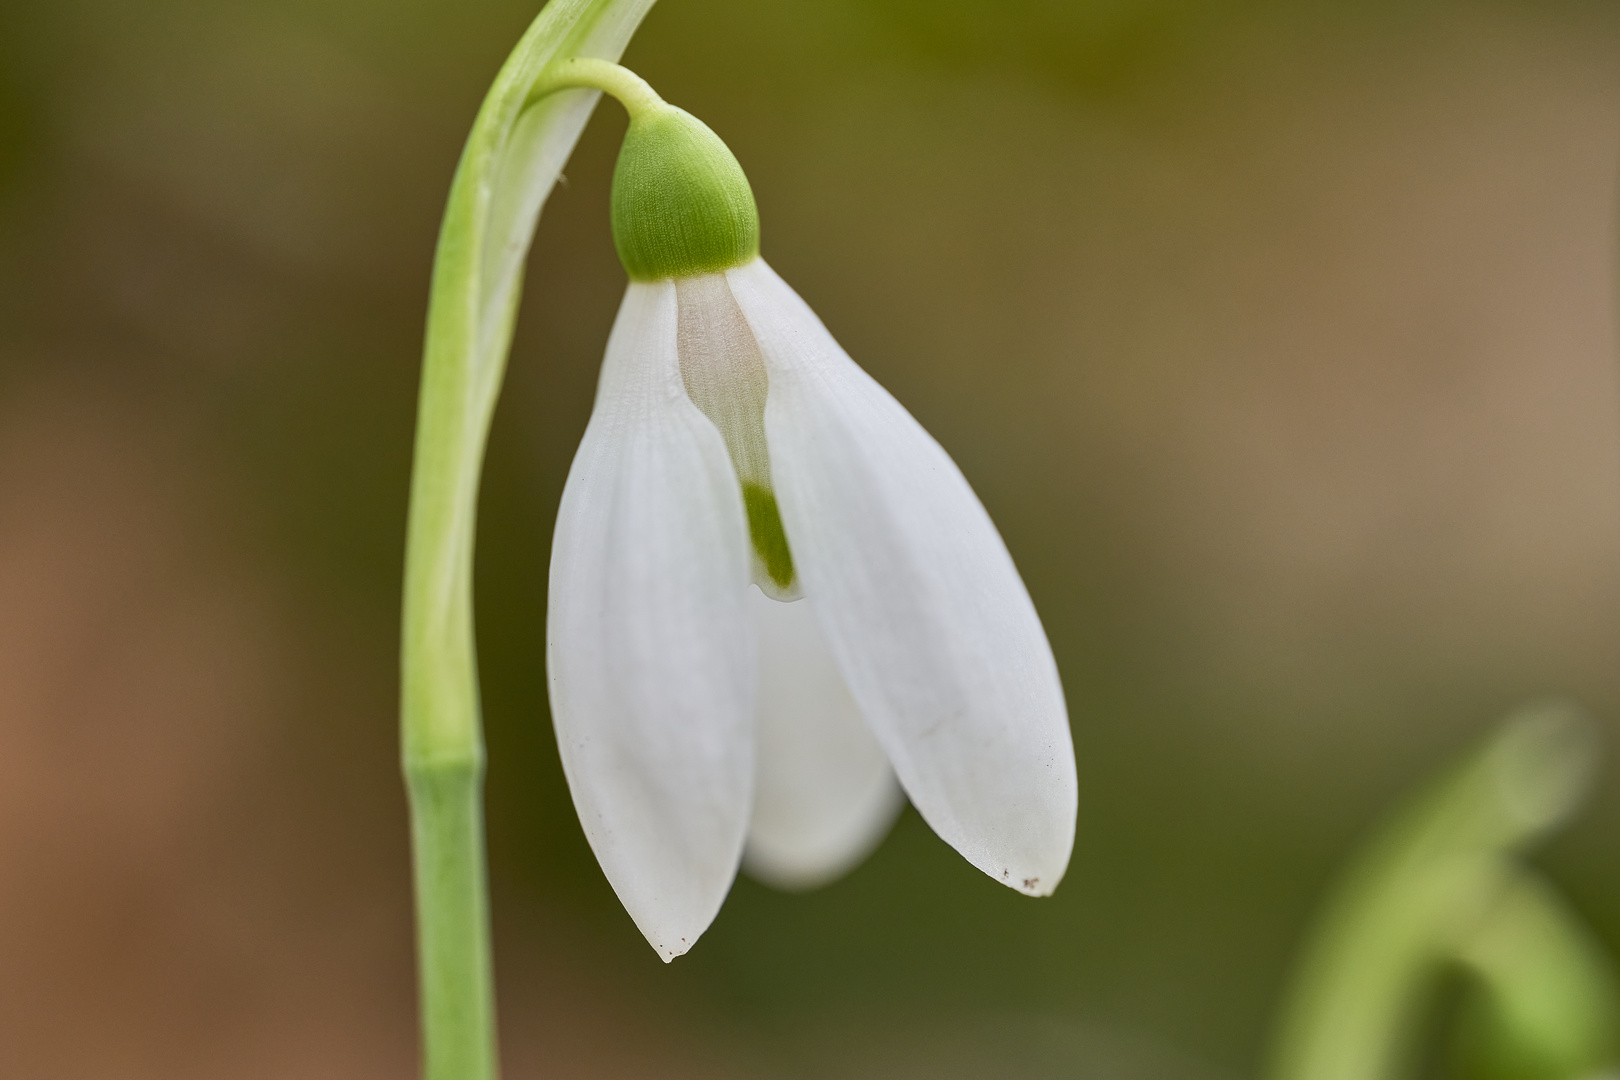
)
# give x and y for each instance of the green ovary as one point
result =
(765, 529)
(681, 204)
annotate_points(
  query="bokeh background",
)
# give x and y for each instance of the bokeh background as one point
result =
(1279, 339)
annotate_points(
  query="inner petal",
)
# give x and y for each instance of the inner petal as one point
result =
(824, 795)
(725, 377)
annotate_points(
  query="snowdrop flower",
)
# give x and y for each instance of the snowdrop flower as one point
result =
(772, 593)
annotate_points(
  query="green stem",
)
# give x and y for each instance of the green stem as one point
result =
(511, 161)
(1420, 893)
(458, 999)
(1544, 1002)
(583, 73)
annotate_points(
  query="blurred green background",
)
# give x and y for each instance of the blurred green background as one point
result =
(1279, 339)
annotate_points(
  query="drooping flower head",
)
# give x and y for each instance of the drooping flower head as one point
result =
(773, 594)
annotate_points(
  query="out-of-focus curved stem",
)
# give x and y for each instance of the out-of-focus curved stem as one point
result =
(1441, 885)
(1545, 1003)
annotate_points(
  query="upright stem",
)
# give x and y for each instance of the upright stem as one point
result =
(441, 733)
(458, 1000)
(512, 158)
(443, 746)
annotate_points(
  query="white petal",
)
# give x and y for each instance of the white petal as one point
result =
(649, 648)
(824, 794)
(922, 607)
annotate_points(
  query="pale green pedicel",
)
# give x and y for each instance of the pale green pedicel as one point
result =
(513, 156)
(1442, 886)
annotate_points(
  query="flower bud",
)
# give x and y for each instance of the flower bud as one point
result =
(681, 204)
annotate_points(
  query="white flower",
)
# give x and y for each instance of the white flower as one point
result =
(734, 444)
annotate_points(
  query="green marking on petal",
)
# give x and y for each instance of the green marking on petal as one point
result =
(765, 529)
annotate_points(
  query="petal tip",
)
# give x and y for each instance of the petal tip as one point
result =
(668, 949)
(1029, 881)
(1036, 886)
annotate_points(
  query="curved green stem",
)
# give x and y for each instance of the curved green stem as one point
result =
(511, 162)
(583, 73)
(1545, 1002)
(1442, 885)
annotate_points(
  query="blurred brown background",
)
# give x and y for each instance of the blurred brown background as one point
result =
(1280, 340)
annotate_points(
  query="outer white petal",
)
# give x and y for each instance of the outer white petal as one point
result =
(922, 607)
(824, 794)
(650, 653)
